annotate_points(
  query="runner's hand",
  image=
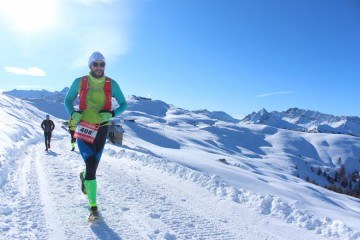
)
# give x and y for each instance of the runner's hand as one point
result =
(106, 115)
(76, 116)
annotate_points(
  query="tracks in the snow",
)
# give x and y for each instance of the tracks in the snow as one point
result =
(42, 199)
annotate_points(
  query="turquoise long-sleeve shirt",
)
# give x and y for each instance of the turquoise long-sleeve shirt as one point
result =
(95, 98)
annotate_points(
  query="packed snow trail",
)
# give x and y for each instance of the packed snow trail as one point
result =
(42, 200)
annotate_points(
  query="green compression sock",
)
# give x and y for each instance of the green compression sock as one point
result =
(90, 186)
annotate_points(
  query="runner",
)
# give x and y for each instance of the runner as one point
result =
(92, 118)
(48, 126)
(72, 128)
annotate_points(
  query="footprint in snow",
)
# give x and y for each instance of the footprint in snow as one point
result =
(154, 215)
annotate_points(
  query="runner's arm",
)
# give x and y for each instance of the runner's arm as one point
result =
(71, 95)
(119, 97)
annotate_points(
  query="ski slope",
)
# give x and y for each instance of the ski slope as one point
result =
(42, 200)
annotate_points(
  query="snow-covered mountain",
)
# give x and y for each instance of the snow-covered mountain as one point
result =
(49, 102)
(178, 175)
(39, 94)
(45, 101)
(306, 121)
(293, 118)
(155, 112)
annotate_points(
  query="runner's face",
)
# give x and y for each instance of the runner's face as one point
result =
(97, 69)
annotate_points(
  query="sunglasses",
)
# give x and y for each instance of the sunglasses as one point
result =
(96, 64)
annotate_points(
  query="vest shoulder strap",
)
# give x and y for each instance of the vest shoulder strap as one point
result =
(108, 94)
(83, 92)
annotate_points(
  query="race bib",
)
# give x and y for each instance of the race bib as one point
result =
(86, 131)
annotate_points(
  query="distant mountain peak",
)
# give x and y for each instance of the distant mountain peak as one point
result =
(306, 120)
(139, 98)
(259, 117)
(65, 90)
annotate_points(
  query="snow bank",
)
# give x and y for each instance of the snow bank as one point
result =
(291, 213)
(20, 123)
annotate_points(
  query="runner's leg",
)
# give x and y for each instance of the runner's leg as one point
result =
(91, 153)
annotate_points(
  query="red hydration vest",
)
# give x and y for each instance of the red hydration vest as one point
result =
(85, 87)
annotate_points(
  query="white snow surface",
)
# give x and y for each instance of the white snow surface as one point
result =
(166, 180)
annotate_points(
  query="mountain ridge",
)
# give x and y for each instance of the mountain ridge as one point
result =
(306, 121)
(147, 112)
(292, 119)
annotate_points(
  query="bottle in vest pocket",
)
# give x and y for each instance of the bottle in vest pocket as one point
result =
(86, 131)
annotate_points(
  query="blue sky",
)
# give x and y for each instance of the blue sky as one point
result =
(235, 56)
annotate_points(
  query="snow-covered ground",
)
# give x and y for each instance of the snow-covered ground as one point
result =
(161, 187)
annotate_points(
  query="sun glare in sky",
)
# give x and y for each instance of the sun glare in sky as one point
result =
(29, 16)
